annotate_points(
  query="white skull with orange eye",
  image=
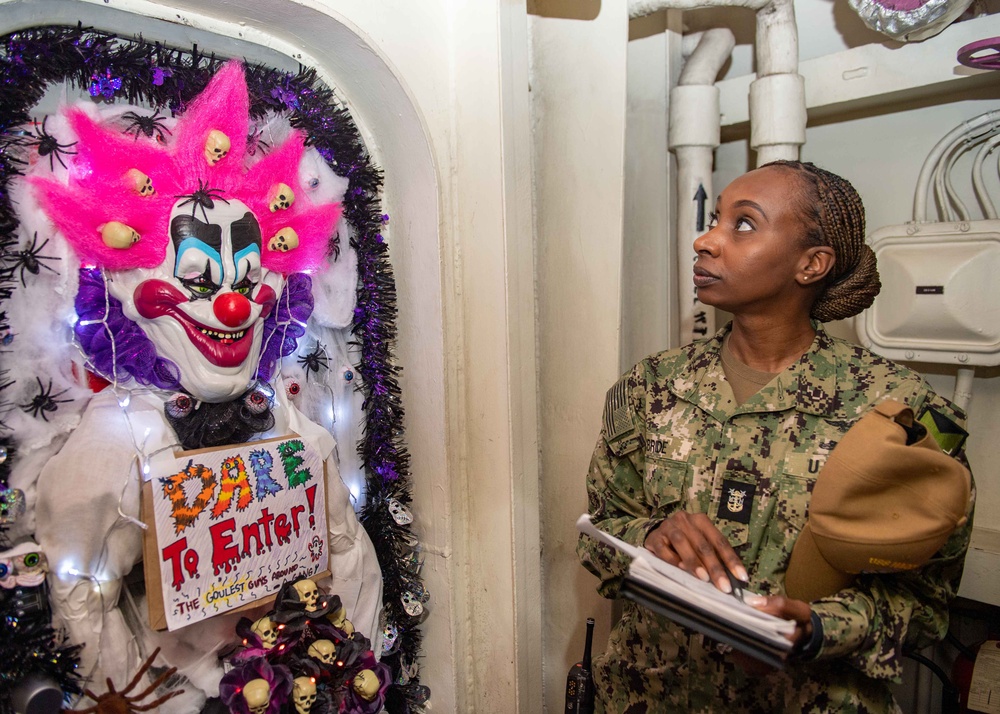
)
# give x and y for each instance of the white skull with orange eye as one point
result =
(308, 593)
(257, 693)
(303, 694)
(265, 630)
(204, 307)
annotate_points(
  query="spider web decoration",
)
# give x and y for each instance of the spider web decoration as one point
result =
(114, 68)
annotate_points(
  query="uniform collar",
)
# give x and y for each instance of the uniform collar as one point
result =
(808, 386)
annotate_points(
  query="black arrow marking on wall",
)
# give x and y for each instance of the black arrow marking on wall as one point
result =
(701, 197)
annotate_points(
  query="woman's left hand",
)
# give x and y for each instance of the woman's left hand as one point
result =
(787, 609)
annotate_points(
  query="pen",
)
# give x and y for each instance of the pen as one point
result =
(736, 584)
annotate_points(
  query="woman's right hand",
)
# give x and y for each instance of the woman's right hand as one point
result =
(693, 543)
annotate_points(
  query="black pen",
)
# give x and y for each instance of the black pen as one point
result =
(736, 584)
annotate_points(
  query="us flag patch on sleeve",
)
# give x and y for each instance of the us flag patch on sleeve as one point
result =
(617, 418)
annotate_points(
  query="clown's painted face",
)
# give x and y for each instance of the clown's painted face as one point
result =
(204, 307)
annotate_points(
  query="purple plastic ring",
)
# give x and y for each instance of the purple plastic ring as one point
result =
(981, 54)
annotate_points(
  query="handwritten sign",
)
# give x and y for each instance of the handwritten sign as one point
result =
(233, 523)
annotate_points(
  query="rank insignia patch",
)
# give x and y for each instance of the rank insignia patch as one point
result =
(949, 435)
(737, 501)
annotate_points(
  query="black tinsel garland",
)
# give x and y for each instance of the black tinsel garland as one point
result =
(114, 68)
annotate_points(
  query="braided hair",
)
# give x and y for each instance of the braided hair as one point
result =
(834, 216)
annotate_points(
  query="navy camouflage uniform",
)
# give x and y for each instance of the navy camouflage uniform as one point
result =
(673, 438)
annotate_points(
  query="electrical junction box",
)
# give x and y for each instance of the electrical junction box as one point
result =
(940, 298)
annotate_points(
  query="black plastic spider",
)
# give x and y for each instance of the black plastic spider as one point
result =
(44, 401)
(49, 146)
(29, 259)
(204, 198)
(316, 360)
(150, 126)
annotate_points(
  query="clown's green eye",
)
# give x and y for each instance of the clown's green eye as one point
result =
(243, 287)
(201, 286)
(31, 560)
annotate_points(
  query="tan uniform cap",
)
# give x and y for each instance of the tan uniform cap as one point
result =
(879, 505)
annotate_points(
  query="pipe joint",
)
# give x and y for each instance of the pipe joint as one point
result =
(694, 116)
(777, 111)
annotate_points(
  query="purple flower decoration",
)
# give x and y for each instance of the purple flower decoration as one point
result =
(105, 86)
(278, 678)
(161, 73)
(286, 96)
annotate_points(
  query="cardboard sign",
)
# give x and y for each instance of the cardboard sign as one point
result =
(229, 525)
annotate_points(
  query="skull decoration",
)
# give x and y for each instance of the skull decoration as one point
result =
(118, 235)
(340, 621)
(400, 513)
(304, 694)
(284, 240)
(257, 693)
(412, 604)
(280, 197)
(142, 184)
(308, 593)
(264, 628)
(366, 684)
(323, 650)
(217, 145)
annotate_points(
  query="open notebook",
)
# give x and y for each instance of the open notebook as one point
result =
(685, 599)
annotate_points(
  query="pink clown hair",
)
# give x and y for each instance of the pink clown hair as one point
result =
(103, 185)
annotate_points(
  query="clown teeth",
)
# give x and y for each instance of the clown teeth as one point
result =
(226, 337)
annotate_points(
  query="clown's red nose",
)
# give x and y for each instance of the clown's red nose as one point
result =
(232, 309)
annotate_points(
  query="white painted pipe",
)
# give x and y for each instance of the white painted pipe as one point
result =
(693, 135)
(778, 95)
(641, 8)
(963, 387)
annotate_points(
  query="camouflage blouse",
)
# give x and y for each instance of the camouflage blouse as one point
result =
(674, 438)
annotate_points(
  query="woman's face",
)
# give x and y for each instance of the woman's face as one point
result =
(752, 258)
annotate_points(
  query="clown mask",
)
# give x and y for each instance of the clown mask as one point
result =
(205, 306)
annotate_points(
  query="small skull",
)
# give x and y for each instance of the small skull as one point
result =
(390, 634)
(284, 240)
(264, 628)
(323, 650)
(118, 235)
(366, 684)
(280, 197)
(340, 621)
(216, 147)
(303, 694)
(140, 182)
(400, 513)
(257, 694)
(412, 604)
(308, 593)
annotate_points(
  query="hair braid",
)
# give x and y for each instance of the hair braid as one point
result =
(834, 216)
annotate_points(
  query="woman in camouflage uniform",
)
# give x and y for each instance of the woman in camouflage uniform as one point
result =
(756, 410)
